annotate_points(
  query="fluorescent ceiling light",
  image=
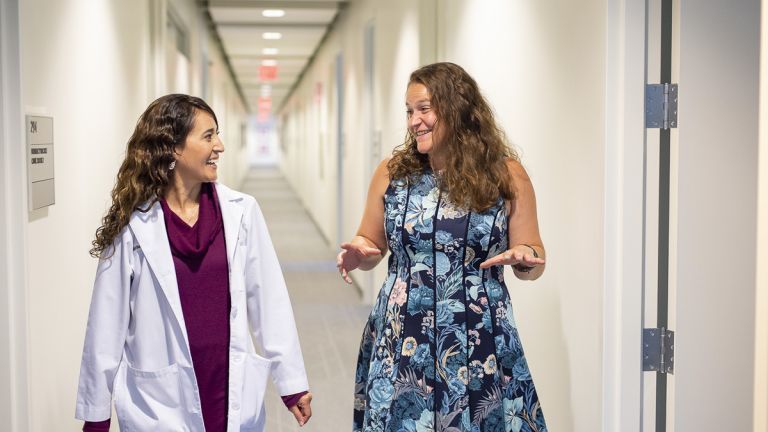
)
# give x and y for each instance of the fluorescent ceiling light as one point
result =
(273, 13)
(269, 62)
(272, 35)
(266, 90)
(270, 51)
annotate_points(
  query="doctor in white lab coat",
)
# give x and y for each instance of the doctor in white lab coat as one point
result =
(137, 350)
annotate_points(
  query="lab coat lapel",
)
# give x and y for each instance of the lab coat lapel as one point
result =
(232, 216)
(149, 229)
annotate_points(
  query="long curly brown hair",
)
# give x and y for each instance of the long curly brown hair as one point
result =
(475, 172)
(145, 172)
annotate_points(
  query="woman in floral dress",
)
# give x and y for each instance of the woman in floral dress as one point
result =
(441, 351)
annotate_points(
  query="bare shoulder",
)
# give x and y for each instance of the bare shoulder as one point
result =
(382, 168)
(380, 180)
(517, 171)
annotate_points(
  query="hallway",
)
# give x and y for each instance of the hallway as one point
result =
(329, 313)
(633, 205)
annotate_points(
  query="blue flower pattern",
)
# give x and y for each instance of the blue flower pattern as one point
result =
(440, 351)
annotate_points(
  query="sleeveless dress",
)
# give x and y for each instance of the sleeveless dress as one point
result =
(440, 351)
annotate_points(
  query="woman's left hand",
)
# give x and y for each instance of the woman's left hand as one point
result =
(519, 254)
(302, 410)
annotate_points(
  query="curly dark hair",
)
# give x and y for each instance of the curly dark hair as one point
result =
(145, 172)
(476, 149)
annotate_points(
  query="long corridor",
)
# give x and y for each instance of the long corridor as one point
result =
(329, 313)
(641, 128)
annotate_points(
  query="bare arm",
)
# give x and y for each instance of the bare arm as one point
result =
(369, 245)
(524, 236)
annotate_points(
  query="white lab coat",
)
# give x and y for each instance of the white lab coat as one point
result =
(136, 348)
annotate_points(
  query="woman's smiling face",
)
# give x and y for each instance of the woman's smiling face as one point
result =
(422, 120)
(197, 159)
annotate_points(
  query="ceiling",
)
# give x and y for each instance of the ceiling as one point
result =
(242, 26)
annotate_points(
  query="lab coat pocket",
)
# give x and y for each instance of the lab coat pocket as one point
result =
(255, 377)
(152, 400)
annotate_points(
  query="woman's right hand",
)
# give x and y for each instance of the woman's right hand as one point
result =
(351, 256)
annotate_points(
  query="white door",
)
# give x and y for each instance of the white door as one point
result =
(712, 216)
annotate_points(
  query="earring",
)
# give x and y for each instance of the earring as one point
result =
(172, 166)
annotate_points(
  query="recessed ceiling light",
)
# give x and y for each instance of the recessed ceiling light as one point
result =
(273, 13)
(269, 62)
(270, 51)
(272, 35)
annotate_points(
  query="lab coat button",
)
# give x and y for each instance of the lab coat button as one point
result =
(237, 358)
(235, 406)
(233, 314)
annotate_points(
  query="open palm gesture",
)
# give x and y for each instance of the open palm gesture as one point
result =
(351, 256)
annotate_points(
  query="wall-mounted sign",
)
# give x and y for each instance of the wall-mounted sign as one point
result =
(40, 161)
(267, 73)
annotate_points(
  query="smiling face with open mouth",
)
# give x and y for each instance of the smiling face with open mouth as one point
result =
(422, 120)
(197, 160)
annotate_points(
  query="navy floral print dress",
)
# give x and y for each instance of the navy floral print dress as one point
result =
(440, 351)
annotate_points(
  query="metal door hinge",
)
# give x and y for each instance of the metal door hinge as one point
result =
(661, 106)
(659, 350)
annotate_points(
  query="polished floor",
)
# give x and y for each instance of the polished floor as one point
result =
(329, 313)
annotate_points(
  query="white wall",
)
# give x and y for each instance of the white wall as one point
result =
(91, 65)
(83, 63)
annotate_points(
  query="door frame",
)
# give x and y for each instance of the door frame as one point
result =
(624, 268)
(761, 295)
(13, 191)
